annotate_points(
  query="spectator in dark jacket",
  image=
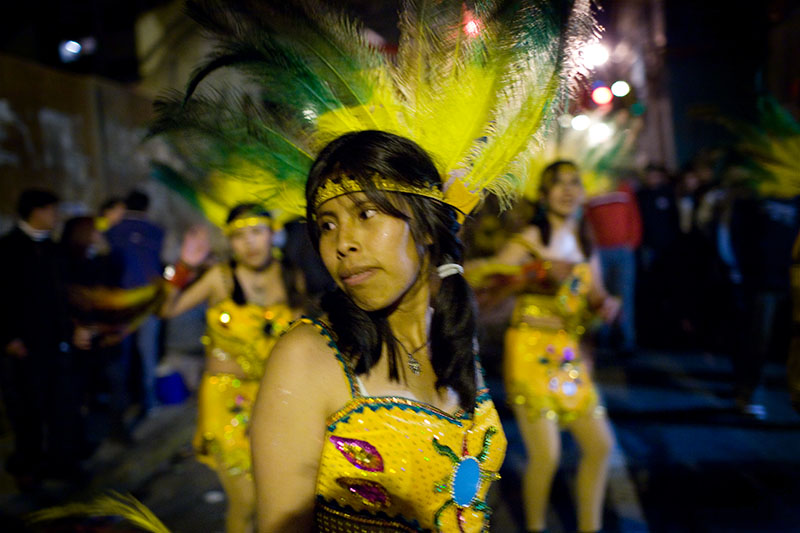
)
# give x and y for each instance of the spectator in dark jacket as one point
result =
(35, 334)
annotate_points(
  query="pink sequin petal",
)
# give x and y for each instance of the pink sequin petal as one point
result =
(360, 453)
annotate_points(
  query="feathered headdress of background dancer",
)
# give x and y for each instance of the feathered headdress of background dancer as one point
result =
(476, 88)
(602, 152)
(771, 148)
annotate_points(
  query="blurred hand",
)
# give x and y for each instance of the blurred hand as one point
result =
(196, 246)
(82, 338)
(560, 270)
(610, 308)
(16, 348)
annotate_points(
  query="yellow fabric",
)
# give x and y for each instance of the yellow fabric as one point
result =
(543, 369)
(244, 334)
(221, 439)
(385, 465)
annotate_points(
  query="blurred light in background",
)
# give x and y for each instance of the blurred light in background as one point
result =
(565, 121)
(620, 88)
(602, 95)
(599, 132)
(594, 55)
(471, 27)
(69, 51)
(580, 122)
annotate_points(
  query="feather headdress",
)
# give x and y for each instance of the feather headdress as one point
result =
(772, 147)
(599, 153)
(114, 504)
(475, 89)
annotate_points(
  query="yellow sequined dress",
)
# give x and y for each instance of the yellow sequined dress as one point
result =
(543, 369)
(244, 334)
(394, 464)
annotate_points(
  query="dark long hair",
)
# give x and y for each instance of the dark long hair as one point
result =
(360, 334)
(540, 220)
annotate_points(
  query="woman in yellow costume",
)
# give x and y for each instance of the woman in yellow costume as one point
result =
(377, 418)
(546, 378)
(248, 309)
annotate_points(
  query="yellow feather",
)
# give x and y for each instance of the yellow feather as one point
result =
(114, 504)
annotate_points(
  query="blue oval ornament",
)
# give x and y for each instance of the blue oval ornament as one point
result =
(466, 481)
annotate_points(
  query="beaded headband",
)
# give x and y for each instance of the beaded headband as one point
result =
(346, 185)
(248, 222)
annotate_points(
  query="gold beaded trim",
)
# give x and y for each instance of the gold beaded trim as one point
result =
(240, 223)
(345, 185)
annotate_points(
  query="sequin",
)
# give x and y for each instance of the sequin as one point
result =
(221, 439)
(235, 333)
(360, 453)
(416, 477)
(554, 384)
(370, 492)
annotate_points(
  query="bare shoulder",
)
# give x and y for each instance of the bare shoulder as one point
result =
(532, 234)
(217, 279)
(303, 363)
(218, 273)
(307, 340)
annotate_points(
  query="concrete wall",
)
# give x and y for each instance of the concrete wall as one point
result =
(81, 137)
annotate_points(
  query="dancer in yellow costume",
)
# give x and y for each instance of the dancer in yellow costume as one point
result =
(546, 378)
(385, 156)
(248, 310)
(377, 419)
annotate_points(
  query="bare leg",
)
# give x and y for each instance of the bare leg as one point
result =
(240, 514)
(596, 439)
(543, 442)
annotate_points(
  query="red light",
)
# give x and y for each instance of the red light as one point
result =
(602, 95)
(471, 26)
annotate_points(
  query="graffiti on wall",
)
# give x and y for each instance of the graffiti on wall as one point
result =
(62, 148)
(13, 130)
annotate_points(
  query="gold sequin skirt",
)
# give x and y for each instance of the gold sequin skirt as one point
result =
(222, 437)
(544, 373)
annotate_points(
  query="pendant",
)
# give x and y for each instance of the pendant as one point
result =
(414, 365)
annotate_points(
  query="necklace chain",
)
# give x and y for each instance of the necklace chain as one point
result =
(413, 363)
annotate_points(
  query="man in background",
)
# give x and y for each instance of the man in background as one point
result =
(617, 226)
(36, 365)
(136, 244)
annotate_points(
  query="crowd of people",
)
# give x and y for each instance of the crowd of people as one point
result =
(663, 263)
(64, 352)
(344, 386)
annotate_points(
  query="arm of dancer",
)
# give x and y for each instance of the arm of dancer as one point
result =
(302, 384)
(606, 306)
(195, 249)
(178, 302)
(518, 266)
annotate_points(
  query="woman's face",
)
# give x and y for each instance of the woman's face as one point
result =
(371, 255)
(566, 193)
(251, 245)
